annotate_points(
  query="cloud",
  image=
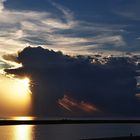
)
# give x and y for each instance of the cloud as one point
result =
(10, 57)
(25, 27)
(1, 5)
(71, 105)
(4, 65)
(82, 83)
(129, 10)
(68, 15)
(57, 29)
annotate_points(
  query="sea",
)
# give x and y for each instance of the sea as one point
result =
(67, 131)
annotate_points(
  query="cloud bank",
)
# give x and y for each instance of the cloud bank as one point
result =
(63, 85)
(57, 28)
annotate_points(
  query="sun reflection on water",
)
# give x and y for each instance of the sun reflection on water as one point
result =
(23, 132)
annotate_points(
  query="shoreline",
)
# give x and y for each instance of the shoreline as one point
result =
(66, 121)
(116, 138)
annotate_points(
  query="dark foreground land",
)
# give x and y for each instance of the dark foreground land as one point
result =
(66, 121)
(117, 138)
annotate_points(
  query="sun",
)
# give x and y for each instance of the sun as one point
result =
(23, 86)
(25, 81)
(21, 89)
(16, 94)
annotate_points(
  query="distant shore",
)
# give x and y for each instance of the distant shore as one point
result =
(66, 121)
(117, 138)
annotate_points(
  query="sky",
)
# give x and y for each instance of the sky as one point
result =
(74, 27)
(83, 59)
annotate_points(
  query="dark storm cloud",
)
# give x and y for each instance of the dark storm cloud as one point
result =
(106, 84)
(110, 87)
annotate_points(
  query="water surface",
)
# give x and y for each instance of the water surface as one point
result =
(66, 131)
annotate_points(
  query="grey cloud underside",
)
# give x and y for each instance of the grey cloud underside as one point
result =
(108, 83)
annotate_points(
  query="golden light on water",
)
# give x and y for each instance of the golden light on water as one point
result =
(17, 132)
(23, 132)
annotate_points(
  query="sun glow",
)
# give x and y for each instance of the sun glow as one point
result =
(23, 118)
(15, 95)
(23, 87)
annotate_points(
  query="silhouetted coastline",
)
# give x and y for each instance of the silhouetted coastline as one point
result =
(117, 138)
(66, 121)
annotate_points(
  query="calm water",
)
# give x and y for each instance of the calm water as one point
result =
(66, 132)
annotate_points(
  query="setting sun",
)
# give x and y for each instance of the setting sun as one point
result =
(23, 86)
(17, 93)
(25, 81)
